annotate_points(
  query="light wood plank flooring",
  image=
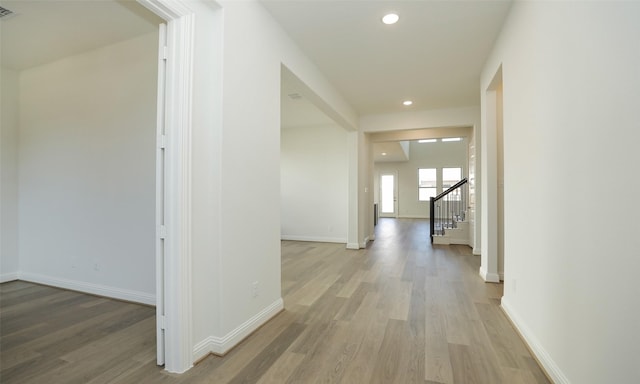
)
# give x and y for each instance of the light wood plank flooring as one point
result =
(400, 311)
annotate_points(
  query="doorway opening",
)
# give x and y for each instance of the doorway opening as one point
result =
(492, 255)
(425, 162)
(86, 153)
(314, 167)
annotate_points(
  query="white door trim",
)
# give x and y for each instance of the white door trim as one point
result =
(489, 192)
(177, 175)
(160, 195)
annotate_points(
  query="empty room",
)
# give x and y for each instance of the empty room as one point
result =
(198, 191)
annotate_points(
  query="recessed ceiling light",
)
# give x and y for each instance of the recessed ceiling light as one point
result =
(452, 139)
(384, 153)
(390, 18)
(427, 141)
(407, 102)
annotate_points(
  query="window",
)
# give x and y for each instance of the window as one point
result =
(426, 184)
(450, 176)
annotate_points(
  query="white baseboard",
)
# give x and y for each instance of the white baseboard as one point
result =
(5, 277)
(221, 345)
(448, 240)
(501, 274)
(318, 239)
(364, 242)
(489, 277)
(550, 367)
(94, 289)
(353, 246)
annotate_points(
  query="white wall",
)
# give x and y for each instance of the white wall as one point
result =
(435, 118)
(239, 54)
(235, 211)
(365, 177)
(474, 203)
(206, 159)
(571, 94)
(87, 171)
(500, 180)
(314, 183)
(250, 187)
(9, 260)
(422, 155)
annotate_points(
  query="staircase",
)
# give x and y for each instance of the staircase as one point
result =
(449, 224)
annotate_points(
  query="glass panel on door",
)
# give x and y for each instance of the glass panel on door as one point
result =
(388, 193)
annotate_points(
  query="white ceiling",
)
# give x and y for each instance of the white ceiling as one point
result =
(47, 30)
(296, 109)
(393, 152)
(432, 56)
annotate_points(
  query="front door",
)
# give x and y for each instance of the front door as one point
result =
(388, 194)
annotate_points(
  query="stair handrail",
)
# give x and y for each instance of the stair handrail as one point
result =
(432, 204)
(451, 189)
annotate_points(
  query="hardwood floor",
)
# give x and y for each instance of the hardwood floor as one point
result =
(400, 311)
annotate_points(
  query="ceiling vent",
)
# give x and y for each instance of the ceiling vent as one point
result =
(5, 13)
(295, 96)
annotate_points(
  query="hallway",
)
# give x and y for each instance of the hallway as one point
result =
(400, 311)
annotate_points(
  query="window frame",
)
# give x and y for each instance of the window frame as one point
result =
(434, 187)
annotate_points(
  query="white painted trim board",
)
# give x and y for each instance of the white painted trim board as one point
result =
(6, 277)
(550, 367)
(94, 289)
(221, 345)
(319, 239)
